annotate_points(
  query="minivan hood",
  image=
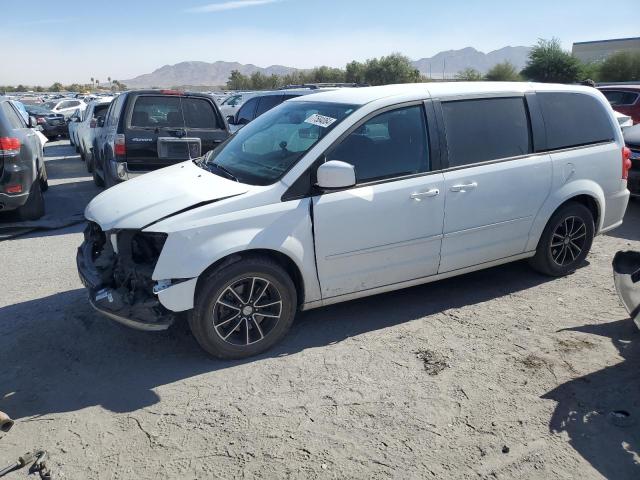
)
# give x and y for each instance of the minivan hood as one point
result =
(146, 199)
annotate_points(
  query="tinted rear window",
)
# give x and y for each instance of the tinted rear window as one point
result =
(574, 119)
(620, 97)
(173, 112)
(199, 113)
(486, 129)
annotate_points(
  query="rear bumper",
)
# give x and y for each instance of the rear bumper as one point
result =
(14, 172)
(54, 129)
(117, 303)
(615, 208)
(11, 202)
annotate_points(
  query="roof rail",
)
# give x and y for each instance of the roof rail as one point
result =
(314, 86)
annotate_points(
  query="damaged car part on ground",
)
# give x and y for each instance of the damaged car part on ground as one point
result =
(352, 193)
(626, 275)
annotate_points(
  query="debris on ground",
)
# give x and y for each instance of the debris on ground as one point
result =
(433, 362)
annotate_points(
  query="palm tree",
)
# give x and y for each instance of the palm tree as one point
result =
(92, 80)
(109, 79)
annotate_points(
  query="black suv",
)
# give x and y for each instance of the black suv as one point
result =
(23, 176)
(145, 130)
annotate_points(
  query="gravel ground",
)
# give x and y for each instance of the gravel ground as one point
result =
(497, 374)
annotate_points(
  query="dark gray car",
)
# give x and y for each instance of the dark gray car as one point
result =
(23, 176)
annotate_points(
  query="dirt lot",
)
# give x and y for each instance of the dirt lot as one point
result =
(497, 374)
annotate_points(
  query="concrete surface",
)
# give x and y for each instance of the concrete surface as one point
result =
(497, 374)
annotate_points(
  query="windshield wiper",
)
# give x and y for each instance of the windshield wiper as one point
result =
(224, 170)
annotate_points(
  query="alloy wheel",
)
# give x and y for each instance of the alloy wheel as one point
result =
(247, 310)
(568, 240)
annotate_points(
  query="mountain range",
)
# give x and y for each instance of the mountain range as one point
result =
(448, 63)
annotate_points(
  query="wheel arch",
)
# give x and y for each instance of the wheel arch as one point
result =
(584, 192)
(282, 259)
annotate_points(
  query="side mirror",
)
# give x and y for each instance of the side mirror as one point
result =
(32, 123)
(100, 122)
(336, 174)
(231, 120)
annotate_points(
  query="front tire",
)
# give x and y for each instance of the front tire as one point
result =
(243, 309)
(565, 241)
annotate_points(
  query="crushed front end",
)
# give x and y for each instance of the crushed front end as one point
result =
(116, 267)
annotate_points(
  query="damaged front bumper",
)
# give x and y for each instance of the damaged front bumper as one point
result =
(626, 276)
(117, 272)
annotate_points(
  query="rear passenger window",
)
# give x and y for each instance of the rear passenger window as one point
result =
(14, 119)
(574, 119)
(392, 144)
(486, 129)
(199, 113)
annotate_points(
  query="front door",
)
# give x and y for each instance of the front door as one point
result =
(388, 228)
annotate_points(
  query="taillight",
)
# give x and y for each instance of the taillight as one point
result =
(13, 189)
(40, 120)
(93, 123)
(626, 162)
(171, 92)
(119, 147)
(9, 146)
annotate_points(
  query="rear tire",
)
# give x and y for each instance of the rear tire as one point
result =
(44, 178)
(34, 208)
(229, 303)
(565, 241)
(97, 179)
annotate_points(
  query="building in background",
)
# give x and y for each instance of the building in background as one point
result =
(598, 50)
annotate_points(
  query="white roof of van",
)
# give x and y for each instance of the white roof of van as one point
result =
(415, 91)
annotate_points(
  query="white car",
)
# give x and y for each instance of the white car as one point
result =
(66, 106)
(624, 121)
(72, 127)
(86, 127)
(352, 193)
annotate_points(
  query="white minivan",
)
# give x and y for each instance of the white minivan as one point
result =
(351, 193)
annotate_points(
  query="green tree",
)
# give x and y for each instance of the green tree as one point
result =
(469, 75)
(549, 63)
(237, 81)
(394, 68)
(355, 72)
(503, 72)
(621, 67)
(56, 87)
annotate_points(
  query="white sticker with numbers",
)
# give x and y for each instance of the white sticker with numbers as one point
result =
(320, 120)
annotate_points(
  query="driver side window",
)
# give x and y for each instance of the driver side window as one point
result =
(391, 144)
(247, 111)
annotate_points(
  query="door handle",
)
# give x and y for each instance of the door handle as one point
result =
(418, 196)
(463, 187)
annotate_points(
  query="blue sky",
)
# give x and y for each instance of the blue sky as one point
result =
(75, 40)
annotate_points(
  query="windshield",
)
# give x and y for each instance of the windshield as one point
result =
(269, 146)
(232, 100)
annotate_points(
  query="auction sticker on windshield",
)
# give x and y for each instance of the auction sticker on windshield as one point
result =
(320, 120)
